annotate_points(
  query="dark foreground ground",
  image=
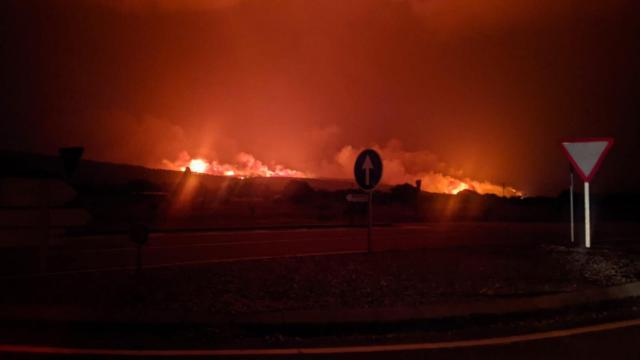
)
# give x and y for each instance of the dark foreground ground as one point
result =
(178, 306)
(398, 278)
(572, 333)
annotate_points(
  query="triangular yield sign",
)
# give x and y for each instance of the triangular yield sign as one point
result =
(586, 155)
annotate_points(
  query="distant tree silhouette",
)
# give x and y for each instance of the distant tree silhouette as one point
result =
(404, 193)
(297, 191)
(70, 159)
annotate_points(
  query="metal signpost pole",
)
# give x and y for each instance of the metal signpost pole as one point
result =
(367, 171)
(585, 155)
(587, 220)
(370, 221)
(139, 259)
(571, 207)
(139, 235)
(45, 221)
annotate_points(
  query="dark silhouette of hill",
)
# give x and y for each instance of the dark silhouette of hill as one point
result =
(117, 194)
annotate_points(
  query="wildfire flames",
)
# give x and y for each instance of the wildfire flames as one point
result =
(198, 165)
(245, 166)
(401, 166)
(459, 188)
(454, 186)
(397, 171)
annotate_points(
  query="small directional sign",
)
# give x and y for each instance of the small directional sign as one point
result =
(357, 197)
(368, 169)
(32, 218)
(28, 192)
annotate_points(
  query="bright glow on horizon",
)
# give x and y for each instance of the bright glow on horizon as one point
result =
(198, 165)
(462, 186)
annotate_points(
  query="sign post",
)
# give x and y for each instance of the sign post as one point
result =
(370, 228)
(140, 235)
(587, 217)
(70, 159)
(29, 203)
(571, 206)
(45, 223)
(358, 197)
(586, 156)
(367, 172)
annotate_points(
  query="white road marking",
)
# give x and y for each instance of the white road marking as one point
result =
(50, 350)
(180, 263)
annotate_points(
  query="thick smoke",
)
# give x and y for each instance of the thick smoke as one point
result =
(401, 166)
(168, 5)
(245, 165)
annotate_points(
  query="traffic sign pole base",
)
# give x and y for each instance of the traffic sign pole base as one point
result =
(370, 222)
(587, 220)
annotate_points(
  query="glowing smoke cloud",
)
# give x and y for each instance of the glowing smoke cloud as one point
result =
(246, 165)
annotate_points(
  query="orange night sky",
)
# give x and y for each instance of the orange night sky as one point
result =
(465, 89)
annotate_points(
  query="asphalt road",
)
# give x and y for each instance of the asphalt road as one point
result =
(603, 341)
(164, 249)
(79, 254)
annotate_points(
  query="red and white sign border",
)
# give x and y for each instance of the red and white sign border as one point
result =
(587, 177)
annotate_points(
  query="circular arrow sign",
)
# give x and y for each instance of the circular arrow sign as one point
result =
(368, 169)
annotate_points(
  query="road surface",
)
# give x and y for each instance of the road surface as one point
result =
(165, 249)
(603, 341)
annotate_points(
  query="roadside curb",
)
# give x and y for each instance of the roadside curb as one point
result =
(449, 310)
(320, 318)
(225, 229)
